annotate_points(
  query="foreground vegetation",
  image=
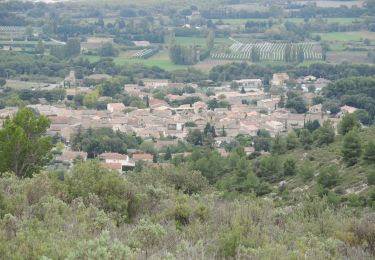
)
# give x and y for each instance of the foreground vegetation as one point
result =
(167, 213)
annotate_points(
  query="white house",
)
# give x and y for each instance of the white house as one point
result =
(249, 84)
(115, 107)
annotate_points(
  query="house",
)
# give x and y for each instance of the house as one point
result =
(316, 109)
(274, 127)
(248, 127)
(115, 107)
(348, 109)
(116, 161)
(278, 79)
(142, 43)
(69, 156)
(155, 83)
(249, 84)
(199, 107)
(96, 42)
(158, 103)
(143, 157)
(269, 104)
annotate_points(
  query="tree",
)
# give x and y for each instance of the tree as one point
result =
(329, 176)
(289, 167)
(39, 48)
(168, 154)
(305, 138)
(325, 134)
(182, 55)
(348, 123)
(278, 145)
(281, 103)
(210, 41)
(108, 50)
(351, 147)
(300, 55)
(255, 54)
(72, 48)
(292, 141)
(24, 148)
(288, 53)
(195, 137)
(306, 171)
(2, 82)
(369, 152)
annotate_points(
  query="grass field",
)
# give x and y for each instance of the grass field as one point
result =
(161, 60)
(199, 41)
(27, 43)
(356, 57)
(347, 36)
(294, 20)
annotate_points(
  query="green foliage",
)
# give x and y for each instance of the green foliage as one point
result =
(371, 178)
(329, 176)
(108, 50)
(182, 55)
(269, 168)
(351, 148)
(24, 148)
(147, 234)
(369, 152)
(289, 167)
(296, 103)
(292, 141)
(116, 195)
(305, 138)
(325, 135)
(348, 123)
(306, 171)
(97, 141)
(279, 145)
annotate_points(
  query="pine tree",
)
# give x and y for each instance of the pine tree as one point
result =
(168, 154)
(351, 148)
(369, 152)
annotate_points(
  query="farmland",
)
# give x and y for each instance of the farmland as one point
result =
(293, 20)
(347, 36)
(242, 50)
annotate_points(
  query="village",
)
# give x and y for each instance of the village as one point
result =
(250, 109)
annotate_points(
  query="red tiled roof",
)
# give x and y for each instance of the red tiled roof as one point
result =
(113, 156)
(143, 156)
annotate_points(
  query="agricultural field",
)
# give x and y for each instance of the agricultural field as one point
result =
(356, 57)
(239, 22)
(274, 51)
(333, 4)
(347, 36)
(160, 59)
(199, 41)
(144, 54)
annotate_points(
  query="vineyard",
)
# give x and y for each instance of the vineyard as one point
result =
(144, 54)
(273, 51)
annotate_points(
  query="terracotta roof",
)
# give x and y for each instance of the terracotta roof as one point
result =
(113, 156)
(143, 156)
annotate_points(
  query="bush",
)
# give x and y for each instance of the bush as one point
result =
(329, 176)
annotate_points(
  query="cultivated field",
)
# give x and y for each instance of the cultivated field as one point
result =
(347, 36)
(357, 57)
(293, 20)
(241, 50)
